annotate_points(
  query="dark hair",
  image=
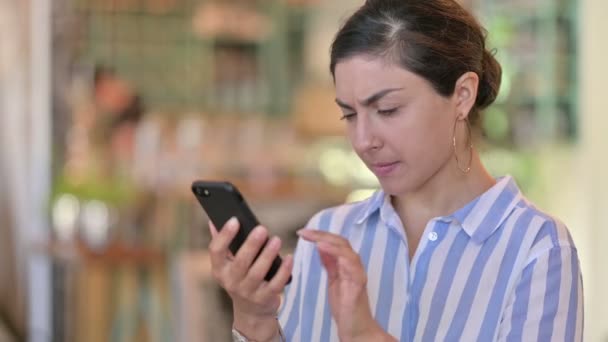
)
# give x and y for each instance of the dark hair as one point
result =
(101, 72)
(436, 39)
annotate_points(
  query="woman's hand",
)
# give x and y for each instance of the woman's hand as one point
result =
(347, 288)
(255, 301)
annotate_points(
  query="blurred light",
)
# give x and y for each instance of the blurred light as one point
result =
(342, 166)
(189, 133)
(65, 215)
(359, 195)
(359, 172)
(96, 223)
(333, 164)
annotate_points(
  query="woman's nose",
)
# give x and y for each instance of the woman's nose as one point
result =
(364, 135)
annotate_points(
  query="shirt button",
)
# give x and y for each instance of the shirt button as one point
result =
(433, 236)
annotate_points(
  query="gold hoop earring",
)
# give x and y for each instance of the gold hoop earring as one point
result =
(468, 168)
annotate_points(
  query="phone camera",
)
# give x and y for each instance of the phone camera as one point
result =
(202, 192)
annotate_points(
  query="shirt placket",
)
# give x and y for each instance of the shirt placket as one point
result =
(433, 234)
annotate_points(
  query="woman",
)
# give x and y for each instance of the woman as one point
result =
(444, 252)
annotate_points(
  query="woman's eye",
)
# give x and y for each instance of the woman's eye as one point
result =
(387, 111)
(348, 117)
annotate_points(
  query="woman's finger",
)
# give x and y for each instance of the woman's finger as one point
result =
(318, 236)
(334, 244)
(331, 249)
(261, 265)
(218, 247)
(340, 262)
(214, 233)
(278, 282)
(212, 229)
(349, 269)
(248, 251)
(328, 259)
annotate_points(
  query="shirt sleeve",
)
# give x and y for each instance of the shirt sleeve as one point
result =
(547, 304)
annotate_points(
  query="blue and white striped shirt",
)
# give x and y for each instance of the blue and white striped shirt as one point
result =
(496, 270)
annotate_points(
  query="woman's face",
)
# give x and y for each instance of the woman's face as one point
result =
(397, 123)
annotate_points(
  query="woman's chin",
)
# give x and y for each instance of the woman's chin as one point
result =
(396, 187)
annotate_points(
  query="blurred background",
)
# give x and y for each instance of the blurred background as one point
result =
(111, 108)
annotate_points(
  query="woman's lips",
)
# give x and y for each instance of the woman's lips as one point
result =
(384, 169)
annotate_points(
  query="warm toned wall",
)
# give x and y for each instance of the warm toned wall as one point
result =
(593, 69)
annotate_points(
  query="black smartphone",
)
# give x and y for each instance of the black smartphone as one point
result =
(222, 201)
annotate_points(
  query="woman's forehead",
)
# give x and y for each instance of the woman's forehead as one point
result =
(361, 76)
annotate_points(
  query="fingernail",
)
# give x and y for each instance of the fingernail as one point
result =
(288, 260)
(232, 223)
(274, 242)
(258, 232)
(305, 232)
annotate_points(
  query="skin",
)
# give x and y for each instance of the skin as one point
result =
(402, 129)
(255, 301)
(412, 126)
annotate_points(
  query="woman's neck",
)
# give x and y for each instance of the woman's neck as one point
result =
(445, 192)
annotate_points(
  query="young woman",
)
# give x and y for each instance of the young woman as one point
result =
(444, 252)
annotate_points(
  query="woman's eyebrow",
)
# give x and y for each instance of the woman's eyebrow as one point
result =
(370, 100)
(377, 96)
(344, 105)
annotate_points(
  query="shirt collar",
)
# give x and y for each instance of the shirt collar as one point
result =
(482, 216)
(479, 218)
(371, 205)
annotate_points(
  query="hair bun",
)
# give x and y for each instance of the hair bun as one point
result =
(489, 83)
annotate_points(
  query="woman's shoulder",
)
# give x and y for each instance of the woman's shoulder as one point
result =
(520, 219)
(548, 230)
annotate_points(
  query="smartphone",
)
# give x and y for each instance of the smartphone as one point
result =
(222, 201)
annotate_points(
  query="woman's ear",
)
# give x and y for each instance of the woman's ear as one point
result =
(465, 94)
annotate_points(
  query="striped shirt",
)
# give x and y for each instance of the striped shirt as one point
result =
(497, 269)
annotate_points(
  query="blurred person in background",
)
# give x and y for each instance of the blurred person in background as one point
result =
(121, 109)
(443, 251)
